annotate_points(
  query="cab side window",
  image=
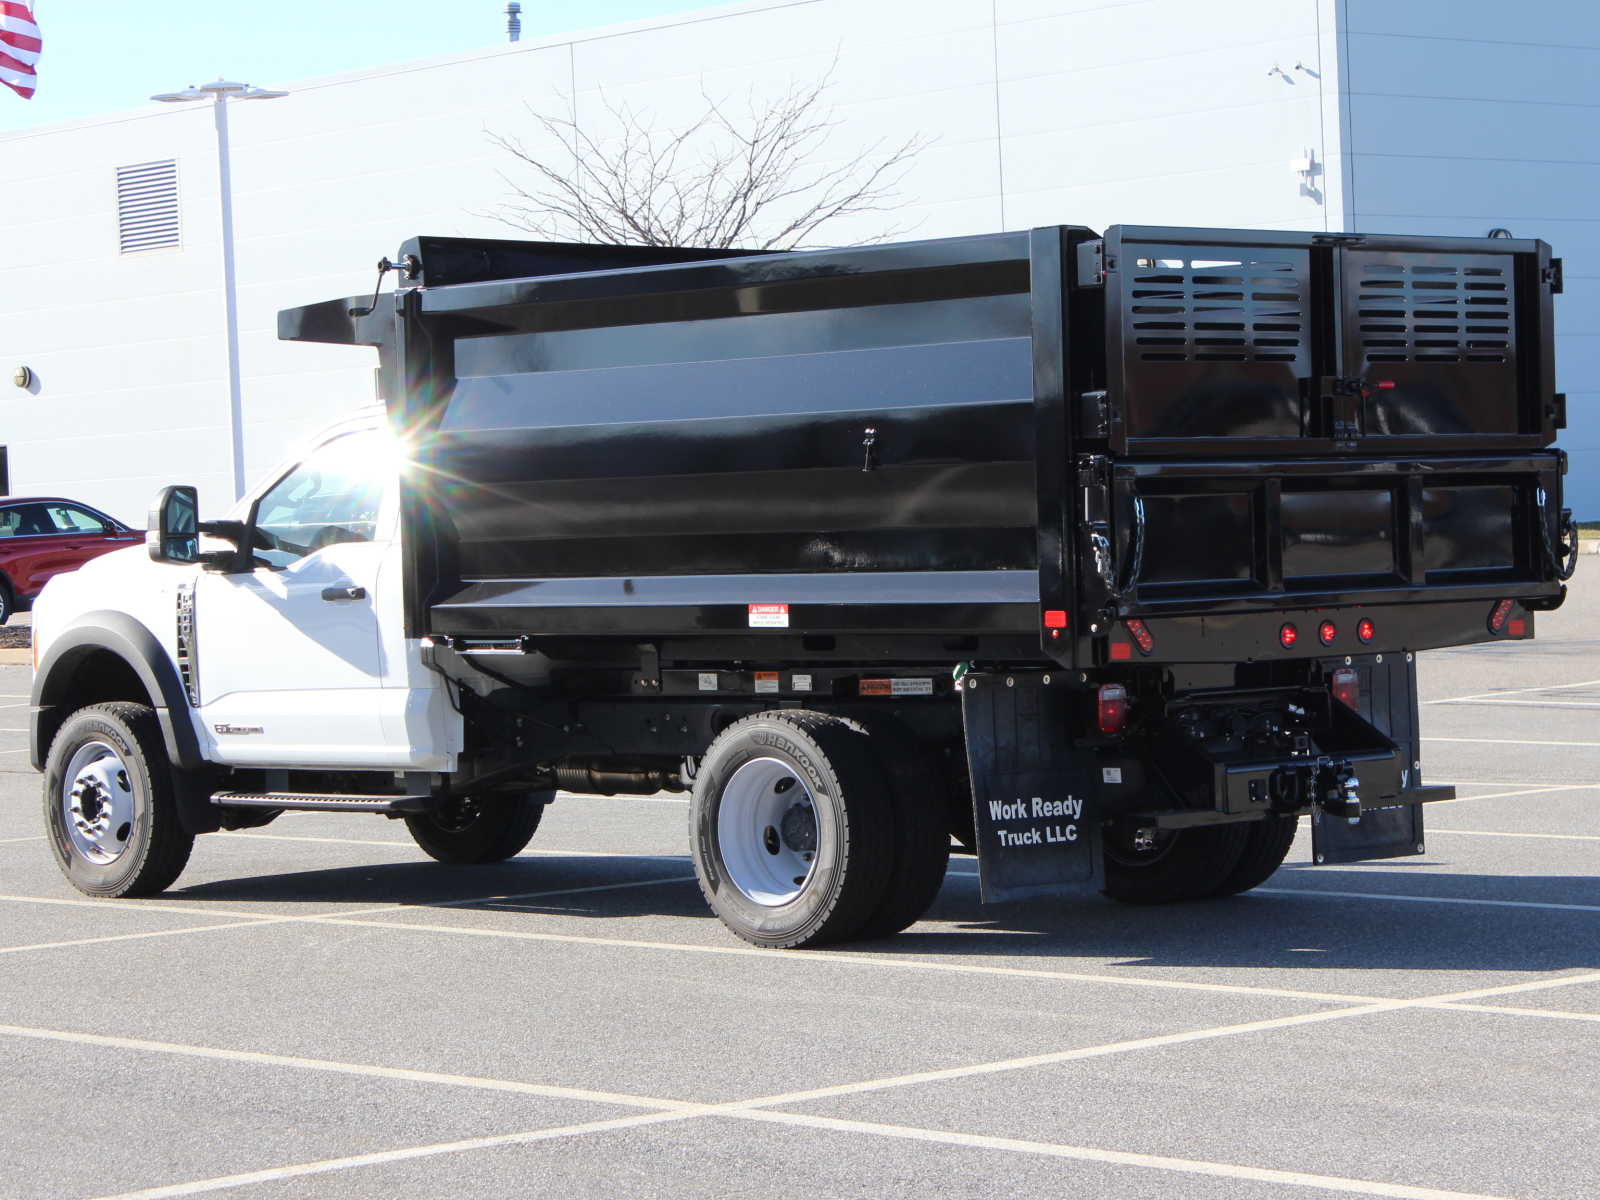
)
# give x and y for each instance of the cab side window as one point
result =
(330, 498)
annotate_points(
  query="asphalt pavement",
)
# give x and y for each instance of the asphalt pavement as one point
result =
(318, 1010)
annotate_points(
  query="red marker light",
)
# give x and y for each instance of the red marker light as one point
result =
(1346, 687)
(1366, 630)
(1112, 707)
(1497, 617)
(1326, 632)
(1385, 384)
(1140, 633)
(1055, 618)
(1121, 651)
(1288, 635)
(1518, 627)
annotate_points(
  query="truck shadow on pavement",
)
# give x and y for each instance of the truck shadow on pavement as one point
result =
(1411, 922)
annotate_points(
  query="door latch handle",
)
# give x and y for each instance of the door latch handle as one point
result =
(345, 591)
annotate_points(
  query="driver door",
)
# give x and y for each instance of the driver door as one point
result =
(289, 660)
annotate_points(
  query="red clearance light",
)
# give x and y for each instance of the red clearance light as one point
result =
(1366, 630)
(1121, 651)
(1346, 687)
(1518, 627)
(1055, 618)
(1112, 707)
(1141, 635)
(1326, 632)
(1385, 384)
(1497, 618)
(1288, 635)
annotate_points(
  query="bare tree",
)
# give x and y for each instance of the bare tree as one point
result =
(755, 180)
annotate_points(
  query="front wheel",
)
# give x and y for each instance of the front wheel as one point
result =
(792, 826)
(109, 808)
(471, 830)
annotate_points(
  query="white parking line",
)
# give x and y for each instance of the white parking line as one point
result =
(1506, 741)
(391, 1156)
(1554, 837)
(149, 933)
(1557, 687)
(1552, 1013)
(1159, 1162)
(1528, 703)
(1470, 901)
(38, 837)
(756, 1109)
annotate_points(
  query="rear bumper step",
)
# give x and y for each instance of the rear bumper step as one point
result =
(321, 801)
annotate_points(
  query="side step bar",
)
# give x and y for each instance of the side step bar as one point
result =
(323, 802)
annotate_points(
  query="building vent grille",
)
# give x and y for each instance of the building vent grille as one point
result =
(147, 206)
(1436, 311)
(1194, 309)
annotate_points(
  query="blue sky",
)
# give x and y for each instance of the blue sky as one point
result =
(109, 55)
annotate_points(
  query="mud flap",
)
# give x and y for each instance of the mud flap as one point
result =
(1038, 833)
(1391, 832)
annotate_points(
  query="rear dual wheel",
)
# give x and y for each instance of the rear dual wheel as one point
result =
(808, 829)
(1156, 866)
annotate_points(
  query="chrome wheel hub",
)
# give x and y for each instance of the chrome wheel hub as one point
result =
(98, 804)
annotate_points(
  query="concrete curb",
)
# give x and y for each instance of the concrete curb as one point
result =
(21, 657)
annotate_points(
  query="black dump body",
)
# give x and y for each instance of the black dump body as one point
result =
(1157, 445)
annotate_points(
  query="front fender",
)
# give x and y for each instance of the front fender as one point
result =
(118, 634)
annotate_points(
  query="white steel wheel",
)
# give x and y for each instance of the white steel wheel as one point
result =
(97, 803)
(792, 828)
(767, 829)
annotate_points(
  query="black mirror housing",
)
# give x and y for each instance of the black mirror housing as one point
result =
(172, 532)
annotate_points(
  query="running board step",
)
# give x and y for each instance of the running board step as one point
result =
(323, 801)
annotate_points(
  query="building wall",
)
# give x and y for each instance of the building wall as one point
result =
(1034, 112)
(1467, 115)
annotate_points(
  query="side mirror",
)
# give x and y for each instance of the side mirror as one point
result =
(172, 533)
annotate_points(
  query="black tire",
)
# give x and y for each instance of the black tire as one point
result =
(8, 603)
(1266, 846)
(1183, 864)
(473, 830)
(113, 822)
(824, 876)
(921, 834)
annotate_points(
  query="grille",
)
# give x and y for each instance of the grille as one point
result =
(1188, 307)
(147, 206)
(1414, 308)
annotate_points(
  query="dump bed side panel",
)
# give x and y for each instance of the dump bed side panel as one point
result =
(770, 423)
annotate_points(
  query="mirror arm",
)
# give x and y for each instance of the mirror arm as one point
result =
(233, 531)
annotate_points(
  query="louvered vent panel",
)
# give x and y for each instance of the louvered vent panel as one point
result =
(147, 206)
(1432, 311)
(1202, 309)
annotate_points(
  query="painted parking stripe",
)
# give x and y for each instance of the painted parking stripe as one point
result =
(38, 837)
(1506, 741)
(1398, 898)
(1159, 1162)
(383, 1157)
(1555, 687)
(1553, 837)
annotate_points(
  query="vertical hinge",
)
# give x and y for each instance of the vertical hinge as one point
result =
(1091, 263)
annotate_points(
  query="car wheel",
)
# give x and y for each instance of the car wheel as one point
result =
(471, 830)
(109, 806)
(8, 604)
(792, 829)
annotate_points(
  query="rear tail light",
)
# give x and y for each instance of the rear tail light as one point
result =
(1140, 632)
(1366, 630)
(1113, 707)
(1326, 632)
(1346, 687)
(1497, 617)
(1288, 635)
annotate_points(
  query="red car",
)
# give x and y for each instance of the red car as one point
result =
(41, 536)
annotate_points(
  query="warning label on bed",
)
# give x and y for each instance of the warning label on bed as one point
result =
(896, 687)
(769, 616)
(767, 681)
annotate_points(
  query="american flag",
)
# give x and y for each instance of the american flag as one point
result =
(19, 47)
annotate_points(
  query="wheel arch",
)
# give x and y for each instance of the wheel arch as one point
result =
(110, 656)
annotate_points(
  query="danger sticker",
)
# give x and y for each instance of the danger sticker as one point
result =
(769, 616)
(767, 681)
(896, 687)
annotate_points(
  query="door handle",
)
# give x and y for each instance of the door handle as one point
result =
(345, 591)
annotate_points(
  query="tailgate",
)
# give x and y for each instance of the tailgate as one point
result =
(1187, 536)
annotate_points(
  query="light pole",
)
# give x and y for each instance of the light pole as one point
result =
(219, 93)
